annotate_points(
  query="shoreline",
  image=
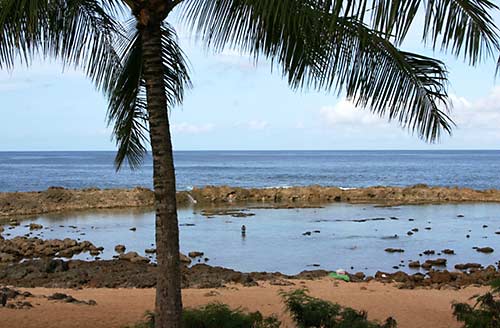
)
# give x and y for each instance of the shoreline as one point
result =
(58, 199)
(50, 272)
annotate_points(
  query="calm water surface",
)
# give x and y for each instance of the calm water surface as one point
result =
(274, 240)
(28, 171)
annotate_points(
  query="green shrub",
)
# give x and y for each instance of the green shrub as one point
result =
(485, 313)
(310, 312)
(217, 315)
(306, 311)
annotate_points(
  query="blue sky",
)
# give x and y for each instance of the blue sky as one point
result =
(237, 105)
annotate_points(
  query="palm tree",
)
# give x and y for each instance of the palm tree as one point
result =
(350, 46)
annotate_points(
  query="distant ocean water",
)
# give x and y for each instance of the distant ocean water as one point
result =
(29, 171)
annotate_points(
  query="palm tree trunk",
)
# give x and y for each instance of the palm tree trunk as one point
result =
(168, 288)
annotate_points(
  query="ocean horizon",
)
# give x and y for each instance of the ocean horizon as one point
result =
(38, 170)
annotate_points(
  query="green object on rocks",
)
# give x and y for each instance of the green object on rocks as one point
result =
(335, 275)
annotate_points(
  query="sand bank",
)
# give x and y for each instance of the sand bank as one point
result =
(119, 307)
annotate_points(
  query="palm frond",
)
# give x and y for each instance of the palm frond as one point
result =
(127, 104)
(176, 67)
(465, 27)
(399, 85)
(80, 33)
(321, 49)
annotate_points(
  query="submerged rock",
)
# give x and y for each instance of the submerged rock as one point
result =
(34, 226)
(485, 250)
(467, 266)
(414, 264)
(120, 248)
(195, 254)
(394, 250)
(133, 257)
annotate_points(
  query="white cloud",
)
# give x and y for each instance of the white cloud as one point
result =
(300, 125)
(254, 124)
(482, 115)
(477, 123)
(258, 125)
(346, 114)
(187, 128)
(12, 86)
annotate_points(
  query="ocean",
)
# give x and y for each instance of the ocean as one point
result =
(33, 171)
(275, 239)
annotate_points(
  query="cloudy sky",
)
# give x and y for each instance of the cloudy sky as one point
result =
(236, 105)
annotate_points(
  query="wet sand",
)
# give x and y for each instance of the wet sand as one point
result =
(120, 307)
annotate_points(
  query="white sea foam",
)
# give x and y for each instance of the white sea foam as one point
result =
(347, 188)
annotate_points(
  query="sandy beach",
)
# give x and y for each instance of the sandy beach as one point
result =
(121, 307)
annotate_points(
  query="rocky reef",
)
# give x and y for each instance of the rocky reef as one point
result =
(57, 273)
(57, 199)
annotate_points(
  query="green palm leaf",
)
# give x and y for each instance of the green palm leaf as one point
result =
(78, 32)
(317, 47)
(128, 105)
(461, 26)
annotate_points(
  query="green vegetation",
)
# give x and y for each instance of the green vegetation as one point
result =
(217, 315)
(309, 312)
(485, 313)
(306, 311)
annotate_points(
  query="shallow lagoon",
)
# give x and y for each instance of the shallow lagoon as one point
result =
(274, 239)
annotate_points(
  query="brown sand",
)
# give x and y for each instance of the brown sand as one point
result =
(121, 307)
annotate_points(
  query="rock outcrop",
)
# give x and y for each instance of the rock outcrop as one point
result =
(59, 199)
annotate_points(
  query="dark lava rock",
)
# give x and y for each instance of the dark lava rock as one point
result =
(437, 262)
(56, 266)
(414, 264)
(120, 248)
(195, 254)
(426, 265)
(467, 266)
(485, 250)
(440, 277)
(307, 233)
(429, 252)
(394, 250)
(448, 251)
(69, 299)
(34, 226)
